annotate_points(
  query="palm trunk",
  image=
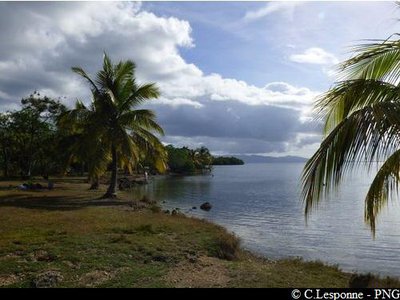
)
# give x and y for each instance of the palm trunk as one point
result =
(95, 184)
(112, 189)
(82, 171)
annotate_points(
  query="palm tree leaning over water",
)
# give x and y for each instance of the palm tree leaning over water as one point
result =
(361, 115)
(114, 122)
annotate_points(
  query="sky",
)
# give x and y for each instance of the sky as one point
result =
(236, 77)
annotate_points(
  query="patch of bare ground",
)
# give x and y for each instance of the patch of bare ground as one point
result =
(96, 278)
(8, 280)
(205, 272)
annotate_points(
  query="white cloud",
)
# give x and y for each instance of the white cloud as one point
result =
(77, 33)
(314, 56)
(275, 93)
(61, 35)
(175, 102)
(270, 8)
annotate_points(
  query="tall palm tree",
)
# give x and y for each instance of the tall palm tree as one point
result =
(361, 114)
(81, 141)
(115, 122)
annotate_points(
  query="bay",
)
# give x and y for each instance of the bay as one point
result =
(261, 204)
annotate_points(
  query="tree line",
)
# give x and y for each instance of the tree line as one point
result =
(31, 142)
(44, 137)
(188, 161)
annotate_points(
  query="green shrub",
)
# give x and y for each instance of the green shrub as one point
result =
(227, 246)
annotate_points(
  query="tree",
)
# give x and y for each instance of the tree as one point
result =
(361, 114)
(188, 161)
(114, 120)
(29, 137)
(5, 142)
(204, 157)
(180, 160)
(227, 160)
(82, 141)
(40, 114)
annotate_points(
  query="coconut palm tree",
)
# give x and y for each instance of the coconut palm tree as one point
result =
(82, 141)
(361, 114)
(115, 122)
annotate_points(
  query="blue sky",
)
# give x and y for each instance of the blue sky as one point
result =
(258, 51)
(237, 77)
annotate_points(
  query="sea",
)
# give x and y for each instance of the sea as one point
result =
(261, 204)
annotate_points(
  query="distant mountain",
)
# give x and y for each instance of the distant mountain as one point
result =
(270, 159)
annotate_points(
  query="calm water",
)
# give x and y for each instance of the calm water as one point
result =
(260, 203)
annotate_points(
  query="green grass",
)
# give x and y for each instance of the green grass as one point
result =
(89, 242)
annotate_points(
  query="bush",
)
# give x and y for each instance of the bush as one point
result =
(155, 208)
(227, 246)
(360, 280)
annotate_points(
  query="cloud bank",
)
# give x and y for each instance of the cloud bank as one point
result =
(44, 40)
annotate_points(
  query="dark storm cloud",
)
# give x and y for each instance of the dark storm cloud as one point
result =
(307, 140)
(223, 145)
(232, 127)
(229, 119)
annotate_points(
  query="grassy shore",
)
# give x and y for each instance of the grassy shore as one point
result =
(67, 238)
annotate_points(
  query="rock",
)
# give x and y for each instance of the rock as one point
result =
(194, 207)
(206, 206)
(47, 279)
(23, 187)
(174, 212)
(167, 212)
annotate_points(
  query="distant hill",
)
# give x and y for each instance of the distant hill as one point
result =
(270, 159)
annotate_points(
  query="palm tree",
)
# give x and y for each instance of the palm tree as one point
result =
(82, 141)
(114, 121)
(361, 114)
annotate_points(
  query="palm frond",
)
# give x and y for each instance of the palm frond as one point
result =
(384, 185)
(348, 96)
(152, 148)
(367, 135)
(124, 71)
(143, 93)
(82, 73)
(379, 61)
(141, 118)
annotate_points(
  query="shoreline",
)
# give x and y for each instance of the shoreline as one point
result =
(355, 250)
(264, 256)
(65, 237)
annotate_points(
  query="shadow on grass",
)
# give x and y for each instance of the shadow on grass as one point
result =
(63, 203)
